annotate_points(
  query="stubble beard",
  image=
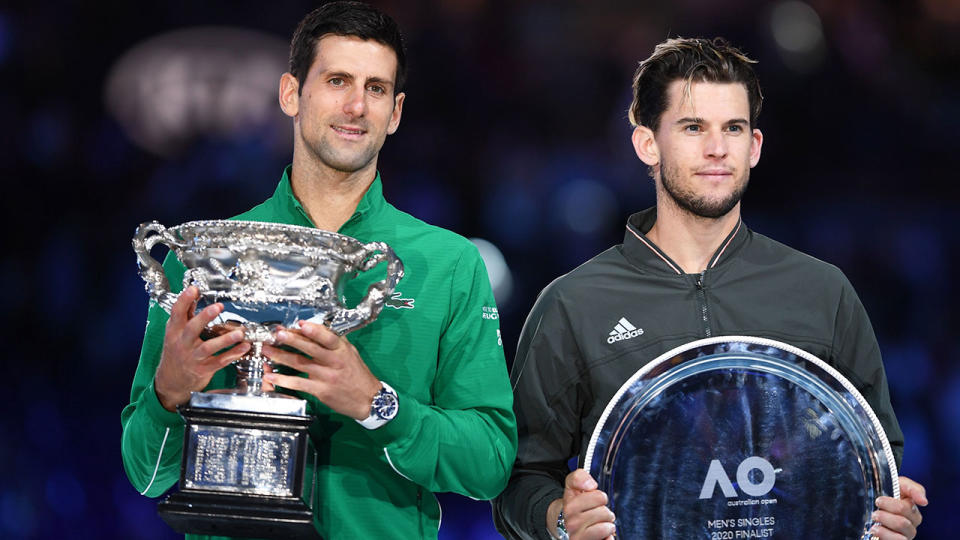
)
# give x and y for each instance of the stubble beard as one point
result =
(341, 156)
(344, 160)
(697, 205)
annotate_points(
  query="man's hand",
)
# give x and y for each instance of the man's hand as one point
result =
(586, 516)
(188, 362)
(336, 374)
(898, 519)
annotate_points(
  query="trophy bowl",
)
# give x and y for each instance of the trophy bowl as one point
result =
(267, 276)
(741, 437)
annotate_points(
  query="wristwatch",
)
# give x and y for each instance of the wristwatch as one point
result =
(562, 527)
(383, 408)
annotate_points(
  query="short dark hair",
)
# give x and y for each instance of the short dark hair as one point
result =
(693, 60)
(345, 19)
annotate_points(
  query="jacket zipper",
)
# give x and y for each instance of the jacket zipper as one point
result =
(702, 301)
(420, 511)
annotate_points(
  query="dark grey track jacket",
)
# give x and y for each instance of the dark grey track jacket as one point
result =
(568, 368)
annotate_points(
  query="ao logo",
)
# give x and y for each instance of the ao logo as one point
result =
(716, 475)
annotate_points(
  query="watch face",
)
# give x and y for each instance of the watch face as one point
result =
(740, 437)
(385, 404)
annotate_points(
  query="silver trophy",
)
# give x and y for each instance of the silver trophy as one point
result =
(741, 437)
(248, 460)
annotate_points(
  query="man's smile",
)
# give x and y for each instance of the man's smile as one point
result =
(714, 173)
(349, 132)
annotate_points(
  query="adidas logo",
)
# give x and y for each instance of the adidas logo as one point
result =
(624, 330)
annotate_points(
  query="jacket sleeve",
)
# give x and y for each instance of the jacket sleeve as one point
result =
(547, 404)
(855, 343)
(152, 439)
(466, 439)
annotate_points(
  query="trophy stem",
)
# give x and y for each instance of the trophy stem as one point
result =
(250, 370)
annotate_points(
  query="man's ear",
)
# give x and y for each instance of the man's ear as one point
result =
(289, 95)
(645, 145)
(756, 143)
(396, 114)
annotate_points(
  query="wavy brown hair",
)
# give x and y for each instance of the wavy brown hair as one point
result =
(691, 60)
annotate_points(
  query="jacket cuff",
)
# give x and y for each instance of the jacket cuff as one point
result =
(155, 411)
(538, 515)
(408, 411)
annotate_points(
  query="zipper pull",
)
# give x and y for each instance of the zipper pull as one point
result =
(700, 280)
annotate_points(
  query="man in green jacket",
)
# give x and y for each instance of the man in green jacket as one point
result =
(687, 269)
(434, 346)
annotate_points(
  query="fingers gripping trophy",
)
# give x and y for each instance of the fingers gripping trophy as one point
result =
(248, 459)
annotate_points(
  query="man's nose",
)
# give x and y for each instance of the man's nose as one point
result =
(355, 104)
(716, 145)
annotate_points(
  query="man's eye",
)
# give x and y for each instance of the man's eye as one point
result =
(692, 128)
(336, 81)
(735, 128)
(376, 89)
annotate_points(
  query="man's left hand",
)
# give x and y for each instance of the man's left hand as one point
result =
(898, 519)
(336, 374)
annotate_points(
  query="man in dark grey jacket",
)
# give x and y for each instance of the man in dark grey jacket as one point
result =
(687, 269)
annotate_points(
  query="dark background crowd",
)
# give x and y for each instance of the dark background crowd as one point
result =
(514, 132)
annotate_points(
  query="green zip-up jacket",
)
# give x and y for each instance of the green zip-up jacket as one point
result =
(572, 357)
(436, 342)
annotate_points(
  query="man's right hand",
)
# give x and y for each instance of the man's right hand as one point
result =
(585, 512)
(188, 362)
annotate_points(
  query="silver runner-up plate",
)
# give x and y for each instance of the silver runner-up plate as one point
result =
(741, 437)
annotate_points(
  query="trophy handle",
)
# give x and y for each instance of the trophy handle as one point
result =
(148, 235)
(371, 255)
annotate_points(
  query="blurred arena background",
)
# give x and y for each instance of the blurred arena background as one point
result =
(514, 133)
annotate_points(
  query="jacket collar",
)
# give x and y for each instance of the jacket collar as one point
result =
(286, 204)
(642, 252)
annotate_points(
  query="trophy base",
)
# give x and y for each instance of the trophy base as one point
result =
(247, 470)
(238, 516)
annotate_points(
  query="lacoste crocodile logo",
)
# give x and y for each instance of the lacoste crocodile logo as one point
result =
(399, 303)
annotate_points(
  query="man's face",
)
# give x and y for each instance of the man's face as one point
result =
(706, 147)
(346, 106)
